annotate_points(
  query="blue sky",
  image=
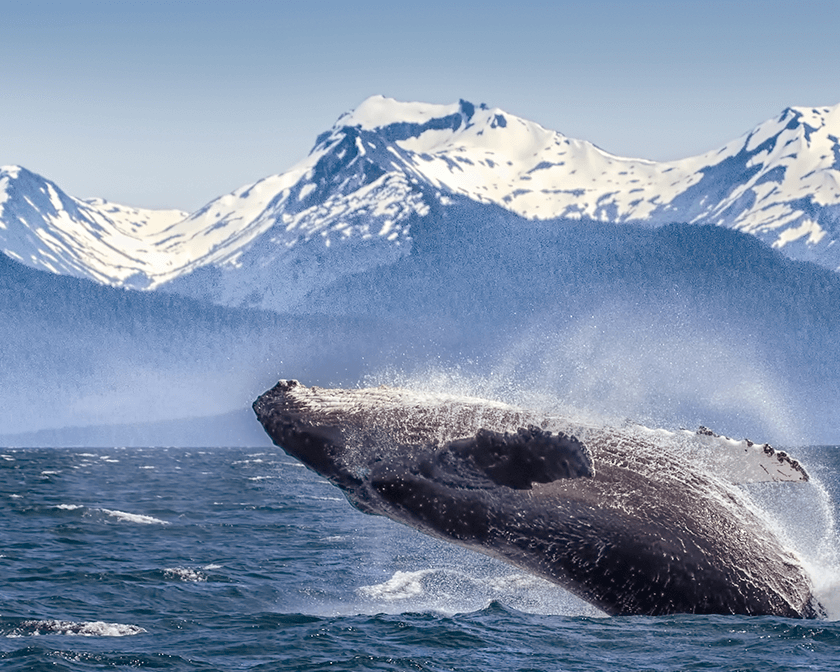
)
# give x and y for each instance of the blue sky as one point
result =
(170, 104)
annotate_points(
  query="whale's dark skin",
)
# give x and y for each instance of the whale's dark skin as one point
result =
(613, 518)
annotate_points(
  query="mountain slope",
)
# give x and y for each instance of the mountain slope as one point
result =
(44, 228)
(74, 353)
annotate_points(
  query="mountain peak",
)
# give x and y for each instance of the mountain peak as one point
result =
(810, 118)
(10, 171)
(397, 121)
(47, 229)
(379, 112)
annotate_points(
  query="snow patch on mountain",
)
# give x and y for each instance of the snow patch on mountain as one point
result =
(379, 111)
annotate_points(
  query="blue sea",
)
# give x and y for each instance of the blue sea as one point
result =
(238, 559)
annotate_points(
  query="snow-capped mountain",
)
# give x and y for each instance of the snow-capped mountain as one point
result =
(780, 181)
(44, 228)
(387, 165)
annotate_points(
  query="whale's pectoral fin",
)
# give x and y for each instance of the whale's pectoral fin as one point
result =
(747, 462)
(453, 489)
(531, 455)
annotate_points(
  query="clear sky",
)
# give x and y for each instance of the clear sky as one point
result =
(172, 103)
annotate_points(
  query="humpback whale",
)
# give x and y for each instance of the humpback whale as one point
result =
(632, 520)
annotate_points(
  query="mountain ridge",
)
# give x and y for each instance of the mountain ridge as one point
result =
(383, 167)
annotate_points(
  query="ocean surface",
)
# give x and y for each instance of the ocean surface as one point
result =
(238, 559)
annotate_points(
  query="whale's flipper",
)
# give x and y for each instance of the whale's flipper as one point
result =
(517, 460)
(737, 461)
(747, 462)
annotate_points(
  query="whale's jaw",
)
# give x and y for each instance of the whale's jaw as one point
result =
(623, 524)
(317, 445)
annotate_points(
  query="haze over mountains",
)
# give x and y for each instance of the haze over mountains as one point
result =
(419, 240)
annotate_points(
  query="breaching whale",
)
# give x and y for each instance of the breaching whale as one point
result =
(615, 515)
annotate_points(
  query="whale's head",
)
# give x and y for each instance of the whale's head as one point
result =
(379, 453)
(311, 438)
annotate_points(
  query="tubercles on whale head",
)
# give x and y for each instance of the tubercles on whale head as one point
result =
(319, 446)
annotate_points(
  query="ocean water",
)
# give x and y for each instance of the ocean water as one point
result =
(232, 559)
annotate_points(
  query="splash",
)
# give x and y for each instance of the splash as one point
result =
(668, 367)
(470, 588)
(185, 574)
(804, 516)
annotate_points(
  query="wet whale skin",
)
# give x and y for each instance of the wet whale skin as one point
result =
(615, 518)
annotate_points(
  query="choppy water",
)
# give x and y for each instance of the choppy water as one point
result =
(230, 559)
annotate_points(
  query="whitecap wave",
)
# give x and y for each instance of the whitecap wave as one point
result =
(73, 628)
(134, 517)
(185, 574)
